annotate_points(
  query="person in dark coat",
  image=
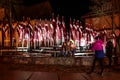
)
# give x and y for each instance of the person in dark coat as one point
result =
(109, 51)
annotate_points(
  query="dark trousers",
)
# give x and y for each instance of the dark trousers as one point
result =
(101, 63)
(109, 60)
(115, 60)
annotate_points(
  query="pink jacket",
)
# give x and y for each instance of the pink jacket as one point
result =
(98, 45)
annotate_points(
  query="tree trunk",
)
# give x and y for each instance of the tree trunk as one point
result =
(3, 34)
(10, 23)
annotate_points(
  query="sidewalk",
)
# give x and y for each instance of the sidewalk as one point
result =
(11, 72)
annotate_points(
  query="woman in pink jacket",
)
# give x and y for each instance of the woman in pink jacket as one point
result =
(97, 47)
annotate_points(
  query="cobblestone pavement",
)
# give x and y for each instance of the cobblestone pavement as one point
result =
(55, 72)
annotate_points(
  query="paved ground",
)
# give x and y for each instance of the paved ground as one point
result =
(51, 72)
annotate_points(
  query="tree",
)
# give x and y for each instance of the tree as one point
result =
(106, 7)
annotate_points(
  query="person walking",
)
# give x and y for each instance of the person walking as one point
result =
(97, 47)
(109, 51)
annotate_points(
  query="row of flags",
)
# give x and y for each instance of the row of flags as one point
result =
(55, 32)
(81, 36)
(52, 33)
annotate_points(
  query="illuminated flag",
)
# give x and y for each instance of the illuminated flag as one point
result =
(71, 27)
(114, 40)
(63, 30)
(20, 31)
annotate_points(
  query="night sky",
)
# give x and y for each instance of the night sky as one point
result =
(71, 8)
(67, 8)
